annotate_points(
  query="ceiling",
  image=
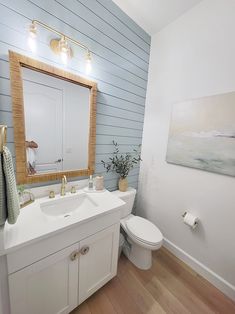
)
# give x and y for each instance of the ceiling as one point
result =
(153, 15)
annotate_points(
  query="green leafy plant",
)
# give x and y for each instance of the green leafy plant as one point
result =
(21, 189)
(121, 163)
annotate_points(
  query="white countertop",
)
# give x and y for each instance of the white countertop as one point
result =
(33, 225)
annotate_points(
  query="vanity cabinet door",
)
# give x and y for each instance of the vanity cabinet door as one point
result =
(98, 260)
(49, 286)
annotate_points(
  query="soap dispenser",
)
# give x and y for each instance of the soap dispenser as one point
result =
(91, 183)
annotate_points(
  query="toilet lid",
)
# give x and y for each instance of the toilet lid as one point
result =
(144, 230)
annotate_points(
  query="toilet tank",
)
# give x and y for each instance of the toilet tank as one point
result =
(128, 197)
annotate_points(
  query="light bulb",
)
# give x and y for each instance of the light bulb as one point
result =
(64, 50)
(32, 44)
(33, 30)
(88, 63)
(32, 37)
(64, 57)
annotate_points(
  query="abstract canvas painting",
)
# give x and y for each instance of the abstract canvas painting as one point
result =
(202, 134)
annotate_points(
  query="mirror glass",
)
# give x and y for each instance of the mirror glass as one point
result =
(57, 115)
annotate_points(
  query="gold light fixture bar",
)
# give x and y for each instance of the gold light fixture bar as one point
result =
(59, 46)
(49, 28)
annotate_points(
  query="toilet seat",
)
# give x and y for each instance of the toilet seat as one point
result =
(144, 232)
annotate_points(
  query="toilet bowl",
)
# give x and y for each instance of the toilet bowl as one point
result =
(142, 236)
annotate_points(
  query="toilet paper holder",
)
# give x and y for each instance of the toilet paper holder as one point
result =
(194, 225)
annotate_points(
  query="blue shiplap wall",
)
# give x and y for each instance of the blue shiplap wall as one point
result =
(120, 51)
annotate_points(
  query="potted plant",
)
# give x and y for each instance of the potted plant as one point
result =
(122, 164)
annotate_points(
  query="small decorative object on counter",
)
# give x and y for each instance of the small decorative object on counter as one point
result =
(99, 183)
(73, 189)
(25, 197)
(91, 183)
(122, 164)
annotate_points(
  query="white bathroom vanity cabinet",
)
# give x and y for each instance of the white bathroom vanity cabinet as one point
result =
(55, 266)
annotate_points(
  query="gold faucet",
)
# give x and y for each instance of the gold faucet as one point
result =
(63, 186)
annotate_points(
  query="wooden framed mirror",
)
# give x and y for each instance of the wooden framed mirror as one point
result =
(54, 117)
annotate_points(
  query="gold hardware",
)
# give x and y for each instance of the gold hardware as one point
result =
(3, 136)
(33, 30)
(73, 189)
(74, 255)
(54, 44)
(51, 194)
(55, 47)
(63, 186)
(84, 250)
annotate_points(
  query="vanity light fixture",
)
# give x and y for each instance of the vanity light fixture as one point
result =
(32, 37)
(59, 46)
(88, 63)
(64, 50)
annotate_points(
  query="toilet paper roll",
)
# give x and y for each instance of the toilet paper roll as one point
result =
(191, 220)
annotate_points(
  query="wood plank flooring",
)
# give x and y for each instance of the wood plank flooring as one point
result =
(169, 286)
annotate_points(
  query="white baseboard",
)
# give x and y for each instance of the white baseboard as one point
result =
(220, 283)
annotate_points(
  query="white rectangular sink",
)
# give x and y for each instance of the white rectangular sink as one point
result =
(68, 205)
(48, 216)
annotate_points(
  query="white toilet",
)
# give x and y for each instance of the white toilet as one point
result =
(142, 236)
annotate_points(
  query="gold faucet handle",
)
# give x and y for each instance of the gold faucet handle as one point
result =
(64, 179)
(51, 194)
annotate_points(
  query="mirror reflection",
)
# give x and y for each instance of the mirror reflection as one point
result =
(57, 114)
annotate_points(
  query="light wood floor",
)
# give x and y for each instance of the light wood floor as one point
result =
(168, 287)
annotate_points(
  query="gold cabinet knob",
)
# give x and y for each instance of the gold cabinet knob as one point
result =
(74, 255)
(73, 189)
(51, 194)
(84, 250)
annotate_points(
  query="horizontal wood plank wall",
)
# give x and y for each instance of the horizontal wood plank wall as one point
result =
(120, 50)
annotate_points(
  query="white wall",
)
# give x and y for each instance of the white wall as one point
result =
(192, 57)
